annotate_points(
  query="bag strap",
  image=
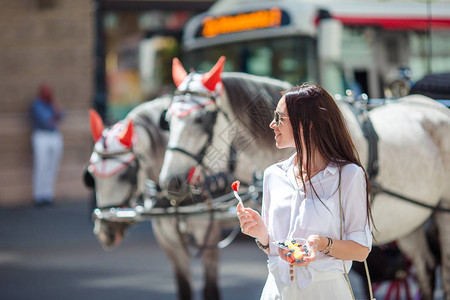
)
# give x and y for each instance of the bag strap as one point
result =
(341, 235)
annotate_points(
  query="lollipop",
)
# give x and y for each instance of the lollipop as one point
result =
(235, 186)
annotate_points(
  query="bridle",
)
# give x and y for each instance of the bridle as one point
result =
(131, 169)
(199, 157)
(208, 126)
(130, 174)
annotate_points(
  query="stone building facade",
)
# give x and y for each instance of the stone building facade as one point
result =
(44, 41)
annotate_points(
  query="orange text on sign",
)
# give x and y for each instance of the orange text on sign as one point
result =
(242, 22)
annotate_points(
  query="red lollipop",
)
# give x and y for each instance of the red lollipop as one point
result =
(235, 185)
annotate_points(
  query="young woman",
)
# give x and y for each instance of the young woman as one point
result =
(301, 200)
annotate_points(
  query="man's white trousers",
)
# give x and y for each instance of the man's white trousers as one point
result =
(47, 154)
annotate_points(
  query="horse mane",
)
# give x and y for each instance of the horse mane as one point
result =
(253, 100)
(144, 116)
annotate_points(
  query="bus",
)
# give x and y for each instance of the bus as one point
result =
(363, 46)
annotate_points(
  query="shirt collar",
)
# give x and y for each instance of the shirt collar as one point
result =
(285, 164)
(331, 168)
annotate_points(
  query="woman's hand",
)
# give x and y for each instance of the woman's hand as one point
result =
(318, 242)
(252, 224)
(345, 250)
(315, 242)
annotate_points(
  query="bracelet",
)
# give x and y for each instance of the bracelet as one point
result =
(328, 245)
(261, 246)
(329, 249)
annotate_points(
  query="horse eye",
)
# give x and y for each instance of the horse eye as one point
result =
(200, 117)
(164, 120)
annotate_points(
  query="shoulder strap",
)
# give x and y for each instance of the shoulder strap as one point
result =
(340, 234)
(343, 263)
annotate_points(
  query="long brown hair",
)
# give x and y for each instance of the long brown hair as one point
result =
(314, 112)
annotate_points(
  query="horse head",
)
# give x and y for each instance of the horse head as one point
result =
(113, 172)
(125, 163)
(113, 165)
(193, 117)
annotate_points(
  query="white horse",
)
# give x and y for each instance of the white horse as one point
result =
(413, 151)
(124, 157)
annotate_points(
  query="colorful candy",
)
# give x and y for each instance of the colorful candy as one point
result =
(297, 251)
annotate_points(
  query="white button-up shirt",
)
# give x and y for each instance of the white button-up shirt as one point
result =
(290, 212)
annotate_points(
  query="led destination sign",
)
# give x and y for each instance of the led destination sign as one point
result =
(269, 18)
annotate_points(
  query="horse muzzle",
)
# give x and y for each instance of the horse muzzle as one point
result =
(177, 188)
(109, 234)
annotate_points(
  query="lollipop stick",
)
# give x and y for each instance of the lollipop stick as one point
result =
(235, 186)
(239, 198)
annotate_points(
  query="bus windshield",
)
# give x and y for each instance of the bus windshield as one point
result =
(291, 59)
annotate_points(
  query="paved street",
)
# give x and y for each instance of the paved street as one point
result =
(51, 253)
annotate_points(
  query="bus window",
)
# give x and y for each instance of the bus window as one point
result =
(290, 59)
(259, 61)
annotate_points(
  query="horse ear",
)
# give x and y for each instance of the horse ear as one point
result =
(96, 124)
(211, 78)
(178, 72)
(126, 136)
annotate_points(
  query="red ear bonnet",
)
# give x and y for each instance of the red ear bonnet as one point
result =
(178, 72)
(96, 124)
(211, 78)
(126, 136)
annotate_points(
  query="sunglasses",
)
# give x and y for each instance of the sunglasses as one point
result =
(277, 117)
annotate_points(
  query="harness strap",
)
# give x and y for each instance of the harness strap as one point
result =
(372, 139)
(197, 157)
(371, 136)
(200, 155)
(108, 155)
(372, 166)
(379, 189)
(201, 94)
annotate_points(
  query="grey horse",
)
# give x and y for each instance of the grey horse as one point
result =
(124, 158)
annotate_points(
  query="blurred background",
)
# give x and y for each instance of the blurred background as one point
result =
(112, 55)
(89, 53)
